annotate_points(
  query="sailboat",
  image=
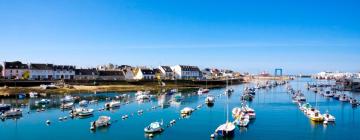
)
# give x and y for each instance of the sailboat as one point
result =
(228, 128)
(203, 90)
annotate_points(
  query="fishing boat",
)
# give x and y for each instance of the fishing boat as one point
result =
(67, 105)
(328, 118)
(112, 104)
(210, 99)
(187, 111)
(43, 101)
(154, 127)
(102, 121)
(83, 103)
(12, 113)
(227, 129)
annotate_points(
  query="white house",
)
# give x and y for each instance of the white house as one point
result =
(14, 70)
(86, 74)
(186, 72)
(129, 75)
(41, 71)
(144, 74)
(64, 72)
(166, 72)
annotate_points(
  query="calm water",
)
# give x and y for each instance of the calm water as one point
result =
(277, 118)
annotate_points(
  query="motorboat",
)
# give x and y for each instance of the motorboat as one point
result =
(328, 118)
(203, 91)
(12, 113)
(69, 105)
(328, 94)
(142, 97)
(112, 104)
(354, 102)
(315, 115)
(33, 94)
(242, 120)
(67, 98)
(82, 112)
(102, 121)
(305, 107)
(186, 111)
(4, 107)
(154, 127)
(43, 101)
(210, 99)
(248, 111)
(343, 98)
(83, 103)
(177, 97)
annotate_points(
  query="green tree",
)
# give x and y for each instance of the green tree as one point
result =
(26, 75)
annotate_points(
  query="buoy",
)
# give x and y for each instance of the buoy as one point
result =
(48, 122)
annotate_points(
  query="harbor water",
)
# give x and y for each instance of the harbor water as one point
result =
(277, 117)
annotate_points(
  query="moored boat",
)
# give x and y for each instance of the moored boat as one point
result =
(102, 121)
(154, 127)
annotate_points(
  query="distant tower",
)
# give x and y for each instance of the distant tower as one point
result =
(278, 72)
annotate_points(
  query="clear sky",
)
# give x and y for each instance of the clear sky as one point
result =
(252, 35)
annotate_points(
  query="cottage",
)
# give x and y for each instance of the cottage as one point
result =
(144, 74)
(64, 72)
(128, 71)
(166, 72)
(86, 74)
(186, 72)
(41, 71)
(111, 75)
(15, 70)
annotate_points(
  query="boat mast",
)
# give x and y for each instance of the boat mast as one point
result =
(227, 102)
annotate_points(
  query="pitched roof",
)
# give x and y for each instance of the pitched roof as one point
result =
(15, 65)
(41, 66)
(166, 68)
(189, 68)
(86, 72)
(111, 73)
(148, 71)
(64, 67)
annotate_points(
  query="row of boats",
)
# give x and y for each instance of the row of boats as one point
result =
(331, 93)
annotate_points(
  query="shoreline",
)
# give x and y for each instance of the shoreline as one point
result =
(12, 91)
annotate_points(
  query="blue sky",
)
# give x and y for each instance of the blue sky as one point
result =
(253, 35)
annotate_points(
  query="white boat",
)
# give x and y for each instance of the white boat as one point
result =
(67, 98)
(142, 97)
(33, 94)
(203, 91)
(187, 111)
(83, 103)
(242, 120)
(102, 121)
(12, 112)
(210, 99)
(43, 101)
(249, 111)
(328, 118)
(67, 105)
(343, 98)
(82, 112)
(328, 94)
(154, 127)
(112, 104)
(227, 129)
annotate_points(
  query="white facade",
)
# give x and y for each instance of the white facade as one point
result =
(186, 72)
(129, 75)
(166, 72)
(41, 71)
(144, 74)
(64, 72)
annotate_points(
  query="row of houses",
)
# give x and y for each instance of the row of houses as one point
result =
(35, 71)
